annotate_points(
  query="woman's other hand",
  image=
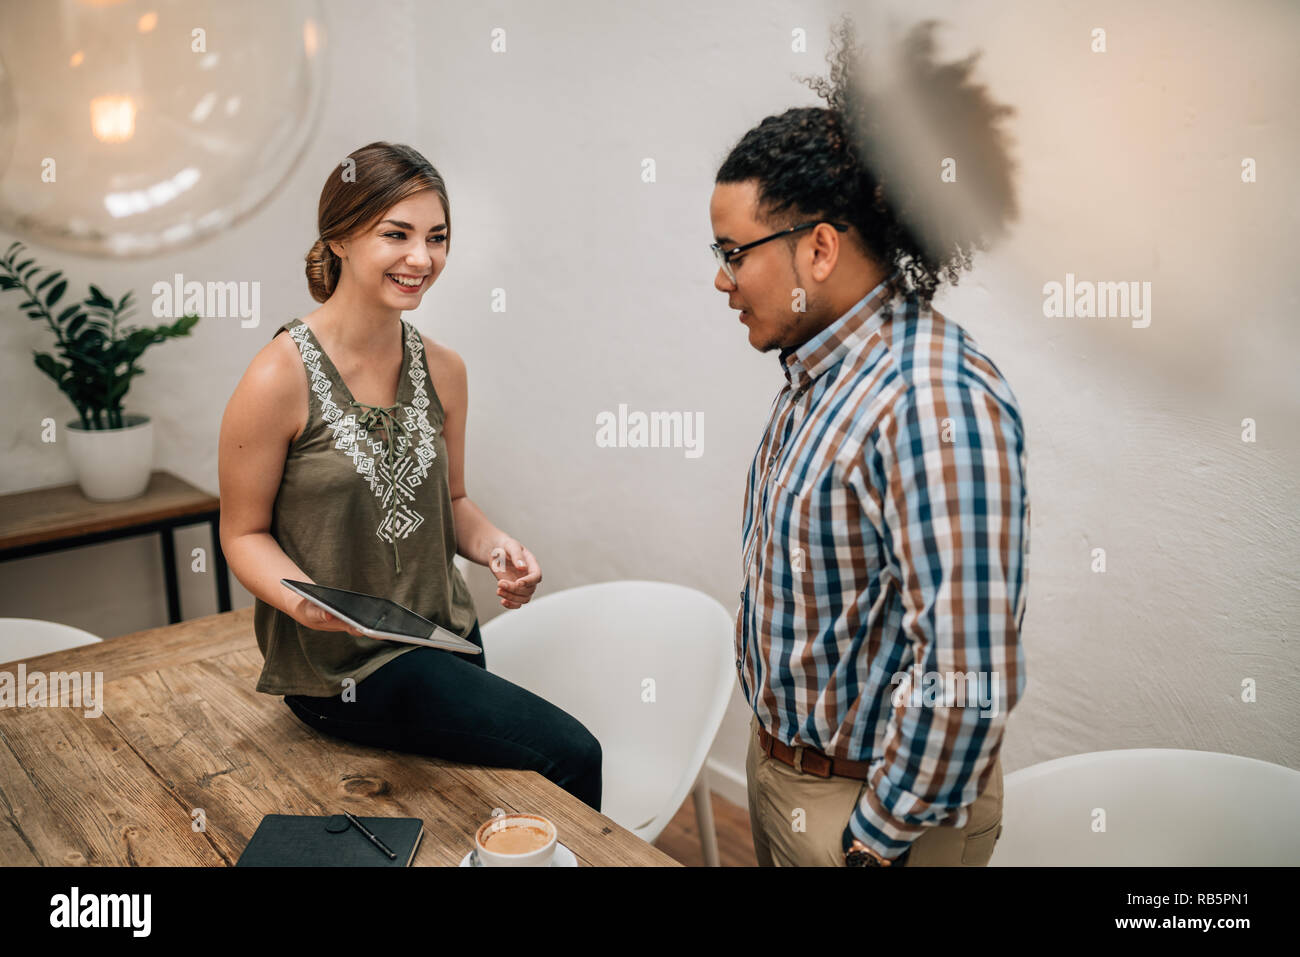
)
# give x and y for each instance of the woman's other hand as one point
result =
(517, 571)
(317, 618)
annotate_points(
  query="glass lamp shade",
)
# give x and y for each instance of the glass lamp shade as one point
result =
(134, 129)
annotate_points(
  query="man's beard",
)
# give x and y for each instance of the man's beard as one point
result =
(794, 330)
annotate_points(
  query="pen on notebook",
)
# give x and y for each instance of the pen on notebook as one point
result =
(373, 840)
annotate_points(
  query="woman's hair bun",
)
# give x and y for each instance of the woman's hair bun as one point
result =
(322, 270)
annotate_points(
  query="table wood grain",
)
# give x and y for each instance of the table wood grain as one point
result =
(63, 511)
(183, 729)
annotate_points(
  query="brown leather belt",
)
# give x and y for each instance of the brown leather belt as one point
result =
(810, 760)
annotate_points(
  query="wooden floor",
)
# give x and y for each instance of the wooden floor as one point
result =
(680, 840)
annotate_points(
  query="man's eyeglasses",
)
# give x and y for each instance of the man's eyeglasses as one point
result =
(723, 256)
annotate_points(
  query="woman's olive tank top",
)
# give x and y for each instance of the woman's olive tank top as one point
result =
(363, 504)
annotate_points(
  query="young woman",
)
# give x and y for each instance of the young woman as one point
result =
(342, 462)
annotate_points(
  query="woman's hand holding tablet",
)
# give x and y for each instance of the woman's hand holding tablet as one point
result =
(318, 619)
(376, 617)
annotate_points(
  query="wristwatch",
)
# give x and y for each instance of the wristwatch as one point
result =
(859, 855)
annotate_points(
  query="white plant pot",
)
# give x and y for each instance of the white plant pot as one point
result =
(112, 464)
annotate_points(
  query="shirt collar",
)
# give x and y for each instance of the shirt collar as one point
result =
(806, 362)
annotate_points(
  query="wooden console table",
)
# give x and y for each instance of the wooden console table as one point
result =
(52, 519)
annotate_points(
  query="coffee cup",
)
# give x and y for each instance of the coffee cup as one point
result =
(516, 840)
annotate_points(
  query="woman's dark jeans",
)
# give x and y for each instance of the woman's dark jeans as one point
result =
(448, 705)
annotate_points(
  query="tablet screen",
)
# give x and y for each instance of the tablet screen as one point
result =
(378, 614)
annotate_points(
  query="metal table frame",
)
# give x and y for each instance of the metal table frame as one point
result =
(165, 529)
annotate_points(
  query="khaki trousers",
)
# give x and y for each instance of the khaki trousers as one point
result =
(778, 793)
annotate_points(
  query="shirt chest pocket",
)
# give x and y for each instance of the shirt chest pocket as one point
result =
(820, 538)
(810, 529)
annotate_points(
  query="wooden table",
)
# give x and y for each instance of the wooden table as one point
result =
(52, 519)
(183, 728)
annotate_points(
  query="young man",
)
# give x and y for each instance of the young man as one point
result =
(885, 522)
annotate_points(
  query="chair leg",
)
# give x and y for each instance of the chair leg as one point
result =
(704, 819)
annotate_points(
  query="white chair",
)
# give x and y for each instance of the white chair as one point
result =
(648, 668)
(1163, 807)
(28, 637)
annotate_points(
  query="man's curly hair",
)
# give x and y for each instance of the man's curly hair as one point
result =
(852, 162)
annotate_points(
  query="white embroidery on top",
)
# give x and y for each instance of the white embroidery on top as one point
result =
(367, 449)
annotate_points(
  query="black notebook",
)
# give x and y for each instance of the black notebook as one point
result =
(300, 840)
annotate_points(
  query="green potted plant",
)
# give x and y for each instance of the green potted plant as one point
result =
(111, 450)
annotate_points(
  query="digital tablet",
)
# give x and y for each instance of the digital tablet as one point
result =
(381, 617)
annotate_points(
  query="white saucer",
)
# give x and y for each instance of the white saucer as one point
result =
(563, 857)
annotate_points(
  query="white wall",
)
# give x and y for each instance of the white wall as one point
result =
(1130, 170)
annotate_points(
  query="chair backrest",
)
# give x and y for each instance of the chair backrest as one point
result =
(1161, 807)
(646, 666)
(28, 637)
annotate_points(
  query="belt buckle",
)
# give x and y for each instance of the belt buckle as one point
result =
(797, 763)
(826, 766)
(821, 765)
